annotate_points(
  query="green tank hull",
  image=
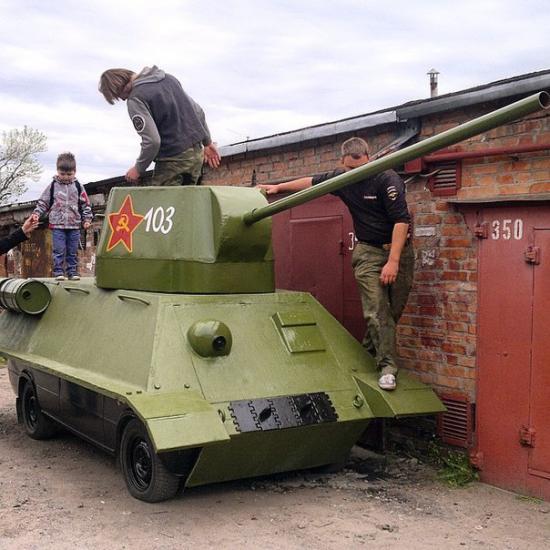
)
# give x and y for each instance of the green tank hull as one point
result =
(181, 358)
(292, 389)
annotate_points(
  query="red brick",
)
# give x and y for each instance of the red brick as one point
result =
(447, 382)
(454, 253)
(453, 230)
(427, 219)
(430, 341)
(453, 348)
(425, 276)
(452, 242)
(451, 359)
(453, 218)
(466, 361)
(457, 327)
(543, 187)
(426, 299)
(454, 276)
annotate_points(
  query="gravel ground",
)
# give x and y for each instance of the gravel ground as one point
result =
(65, 494)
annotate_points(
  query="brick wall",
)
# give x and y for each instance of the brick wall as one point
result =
(289, 162)
(437, 333)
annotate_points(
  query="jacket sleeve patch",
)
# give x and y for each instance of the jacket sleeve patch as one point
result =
(138, 122)
(392, 192)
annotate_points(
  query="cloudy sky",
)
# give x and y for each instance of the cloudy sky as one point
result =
(257, 67)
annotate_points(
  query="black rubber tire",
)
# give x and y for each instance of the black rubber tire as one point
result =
(37, 424)
(146, 476)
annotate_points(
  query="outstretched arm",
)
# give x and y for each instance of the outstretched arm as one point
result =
(292, 185)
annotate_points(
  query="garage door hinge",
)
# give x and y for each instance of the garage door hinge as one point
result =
(481, 230)
(476, 459)
(532, 255)
(527, 436)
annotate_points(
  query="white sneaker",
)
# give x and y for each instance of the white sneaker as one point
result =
(387, 382)
(60, 278)
(74, 278)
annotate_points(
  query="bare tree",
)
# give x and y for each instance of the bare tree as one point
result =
(18, 162)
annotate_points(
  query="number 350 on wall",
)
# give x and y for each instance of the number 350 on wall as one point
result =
(507, 229)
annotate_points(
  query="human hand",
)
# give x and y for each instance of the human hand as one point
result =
(31, 223)
(211, 156)
(389, 272)
(269, 189)
(132, 176)
(86, 225)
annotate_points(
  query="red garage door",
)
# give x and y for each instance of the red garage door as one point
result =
(313, 244)
(513, 394)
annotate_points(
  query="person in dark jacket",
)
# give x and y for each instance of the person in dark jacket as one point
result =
(19, 235)
(172, 126)
(383, 258)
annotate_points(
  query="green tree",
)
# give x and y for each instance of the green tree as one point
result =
(18, 161)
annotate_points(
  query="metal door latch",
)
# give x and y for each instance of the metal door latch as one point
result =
(481, 230)
(527, 436)
(532, 255)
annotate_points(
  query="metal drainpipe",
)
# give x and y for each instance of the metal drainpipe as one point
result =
(496, 151)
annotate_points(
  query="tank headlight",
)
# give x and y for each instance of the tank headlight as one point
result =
(210, 338)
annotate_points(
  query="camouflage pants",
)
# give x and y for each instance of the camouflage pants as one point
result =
(183, 169)
(382, 305)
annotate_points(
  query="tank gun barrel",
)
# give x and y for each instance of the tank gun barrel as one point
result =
(521, 108)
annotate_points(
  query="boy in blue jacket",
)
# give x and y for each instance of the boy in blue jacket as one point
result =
(68, 206)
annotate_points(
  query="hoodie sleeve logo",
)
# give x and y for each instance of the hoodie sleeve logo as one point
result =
(139, 122)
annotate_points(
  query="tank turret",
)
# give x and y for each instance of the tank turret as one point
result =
(217, 240)
(181, 359)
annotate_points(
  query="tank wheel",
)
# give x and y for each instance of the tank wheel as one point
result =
(146, 476)
(37, 425)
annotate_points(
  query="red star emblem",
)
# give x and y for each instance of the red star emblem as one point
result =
(123, 223)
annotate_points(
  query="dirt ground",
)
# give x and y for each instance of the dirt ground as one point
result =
(65, 494)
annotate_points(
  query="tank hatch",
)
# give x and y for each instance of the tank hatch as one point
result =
(185, 239)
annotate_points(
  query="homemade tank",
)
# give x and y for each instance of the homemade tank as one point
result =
(181, 358)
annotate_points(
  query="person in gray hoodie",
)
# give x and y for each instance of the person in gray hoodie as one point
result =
(172, 126)
(69, 208)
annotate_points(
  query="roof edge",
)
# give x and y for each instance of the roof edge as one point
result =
(500, 89)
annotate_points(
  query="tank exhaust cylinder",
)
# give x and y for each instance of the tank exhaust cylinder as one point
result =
(24, 296)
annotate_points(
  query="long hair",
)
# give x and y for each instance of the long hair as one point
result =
(112, 82)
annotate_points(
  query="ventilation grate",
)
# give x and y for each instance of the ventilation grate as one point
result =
(446, 180)
(455, 426)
